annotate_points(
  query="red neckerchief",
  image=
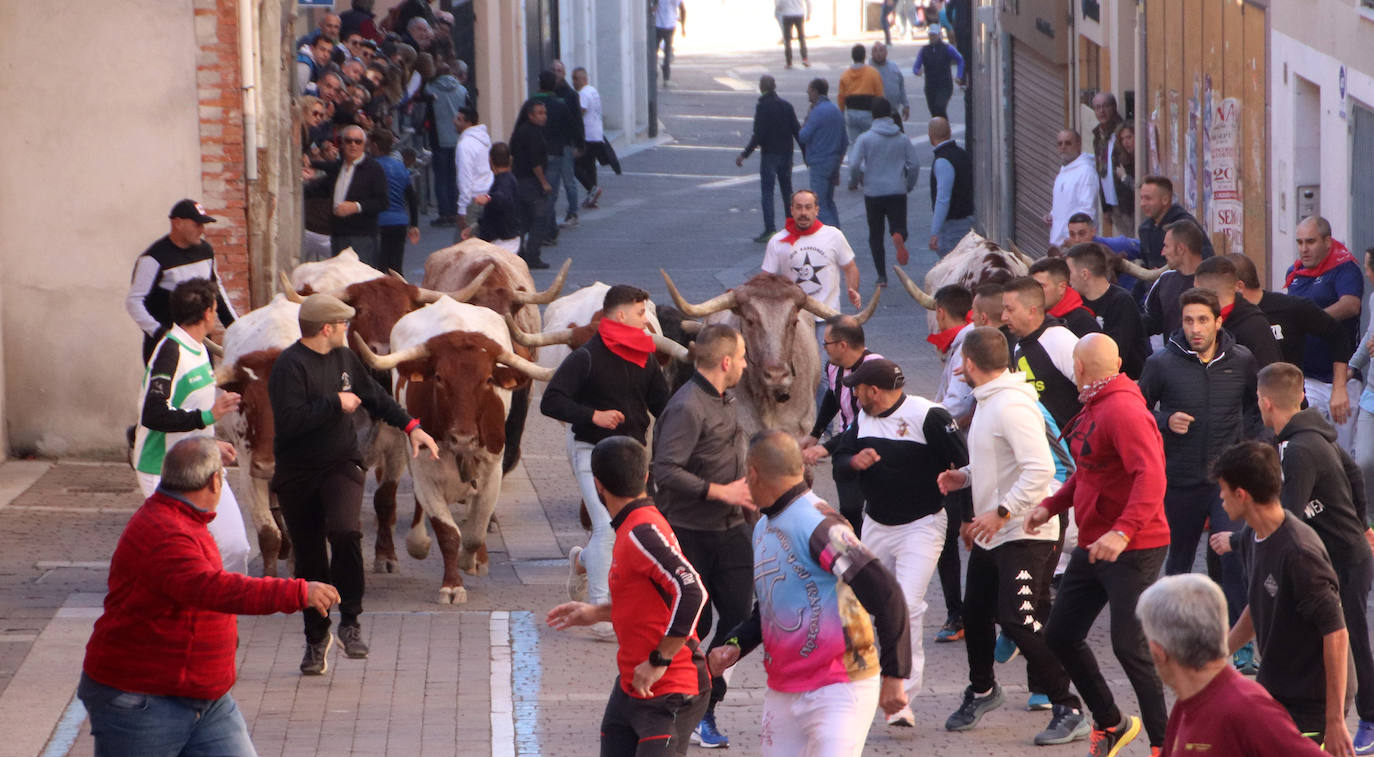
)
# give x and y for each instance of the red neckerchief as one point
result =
(794, 233)
(1227, 311)
(1091, 390)
(627, 342)
(945, 338)
(1337, 255)
(1071, 301)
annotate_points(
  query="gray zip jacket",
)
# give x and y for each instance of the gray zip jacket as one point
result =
(697, 442)
(885, 159)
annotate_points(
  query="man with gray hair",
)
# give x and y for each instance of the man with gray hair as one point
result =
(1218, 710)
(358, 190)
(161, 658)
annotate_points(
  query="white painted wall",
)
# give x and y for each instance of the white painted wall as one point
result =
(1291, 62)
(92, 164)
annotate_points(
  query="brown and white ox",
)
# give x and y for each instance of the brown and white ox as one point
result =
(508, 290)
(454, 370)
(778, 389)
(976, 261)
(251, 346)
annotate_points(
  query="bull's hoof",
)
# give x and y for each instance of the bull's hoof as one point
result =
(417, 543)
(453, 595)
(386, 565)
(472, 566)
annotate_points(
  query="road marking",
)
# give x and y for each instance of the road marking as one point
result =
(654, 175)
(742, 180)
(705, 117)
(40, 694)
(16, 476)
(528, 678)
(735, 85)
(723, 148)
(63, 509)
(67, 730)
(502, 702)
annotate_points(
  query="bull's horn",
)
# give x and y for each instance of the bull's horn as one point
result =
(691, 328)
(385, 362)
(819, 308)
(548, 295)
(925, 300)
(1133, 268)
(670, 348)
(288, 290)
(224, 374)
(1011, 245)
(533, 370)
(863, 315)
(214, 349)
(395, 274)
(716, 304)
(525, 338)
(428, 296)
(467, 292)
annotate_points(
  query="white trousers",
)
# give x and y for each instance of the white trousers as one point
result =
(226, 528)
(1319, 396)
(910, 552)
(596, 557)
(511, 245)
(831, 721)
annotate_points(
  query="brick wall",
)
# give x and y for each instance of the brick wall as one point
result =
(223, 189)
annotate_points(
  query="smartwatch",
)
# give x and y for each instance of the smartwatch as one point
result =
(658, 660)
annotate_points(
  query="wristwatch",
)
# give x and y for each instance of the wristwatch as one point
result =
(1003, 512)
(658, 660)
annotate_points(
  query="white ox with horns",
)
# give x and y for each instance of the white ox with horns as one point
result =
(454, 371)
(251, 346)
(571, 320)
(778, 389)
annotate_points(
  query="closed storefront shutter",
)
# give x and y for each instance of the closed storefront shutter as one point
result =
(1362, 182)
(1037, 117)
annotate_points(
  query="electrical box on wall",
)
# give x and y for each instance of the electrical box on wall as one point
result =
(1309, 201)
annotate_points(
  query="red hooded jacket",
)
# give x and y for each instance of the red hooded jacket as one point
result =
(169, 628)
(1119, 481)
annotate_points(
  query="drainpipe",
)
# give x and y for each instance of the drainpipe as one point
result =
(1143, 103)
(247, 78)
(1008, 219)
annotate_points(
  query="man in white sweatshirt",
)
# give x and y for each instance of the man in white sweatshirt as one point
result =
(1075, 188)
(1009, 573)
(474, 164)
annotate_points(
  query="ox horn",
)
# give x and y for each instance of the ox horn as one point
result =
(1140, 272)
(469, 291)
(925, 300)
(214, 349)
(525, 338)
(426, 296)
(385, 362)
(716, 304)
(819, 308)
(533, 370)
(671, 349)
(288, 290)
(691, 328)
(548, 295)
(863, 315)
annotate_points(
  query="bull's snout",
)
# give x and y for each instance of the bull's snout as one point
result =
(777, 376)
(461, 441)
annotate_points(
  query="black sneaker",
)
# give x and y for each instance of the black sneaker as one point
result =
(1066, 725)
(973, 708)
(536, 265)
(351, 636)
(316, 659)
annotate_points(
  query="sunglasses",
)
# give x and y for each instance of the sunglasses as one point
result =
(353, 140)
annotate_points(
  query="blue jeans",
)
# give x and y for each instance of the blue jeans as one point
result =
(774, 168)
(125, 723)
(569, 177)
(553, 173)
(445, 181)
(823, 184)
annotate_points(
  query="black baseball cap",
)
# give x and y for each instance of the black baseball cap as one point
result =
(192, 210)
(879, 372)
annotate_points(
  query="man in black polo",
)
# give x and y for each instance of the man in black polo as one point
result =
(775, 131)
(180, 256)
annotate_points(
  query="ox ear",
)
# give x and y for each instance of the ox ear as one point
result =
(491, 422)
(506, 378)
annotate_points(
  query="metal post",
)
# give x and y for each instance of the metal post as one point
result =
(652, 39)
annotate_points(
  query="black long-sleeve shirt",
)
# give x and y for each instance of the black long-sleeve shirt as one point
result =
(1122, 321)
(775, 127)
(313, 432)
(1295, 319)
(593, 378)
(1324, 487)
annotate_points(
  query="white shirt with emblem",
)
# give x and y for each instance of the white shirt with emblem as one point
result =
(814, 261)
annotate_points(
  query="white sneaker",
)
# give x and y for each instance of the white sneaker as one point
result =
(903, 718)
(577, 576)
(602, 631)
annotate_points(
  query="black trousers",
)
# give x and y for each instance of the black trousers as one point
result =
(533, 205)
(948, 567)
(851, 501)
(1355, 582)
(322, 515)
(584, 167)
(664, 37)
(937, 100)
(725, 562)
(892, 210)
(392, 241)
(1188, 509)
(788, 24)
(1085, 589)
(656, 727)
(1004, 584)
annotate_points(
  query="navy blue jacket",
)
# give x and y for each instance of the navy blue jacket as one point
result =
(775, 127)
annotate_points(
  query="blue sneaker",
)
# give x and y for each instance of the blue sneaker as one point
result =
(1244, 660)
(1005, 650)
(1038, 702)
(706, 736)
(1364, 738)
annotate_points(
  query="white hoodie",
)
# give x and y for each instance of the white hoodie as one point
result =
(1075, 191)
(474, 165)
(1010, 460)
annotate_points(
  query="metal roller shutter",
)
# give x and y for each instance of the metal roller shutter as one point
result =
(1362, 181)
(1037, 115)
